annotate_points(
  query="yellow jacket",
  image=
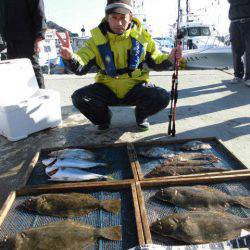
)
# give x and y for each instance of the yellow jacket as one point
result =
(121, 47)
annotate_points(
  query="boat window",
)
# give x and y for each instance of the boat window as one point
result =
(193, 32)
(205, 31)
(199, 31)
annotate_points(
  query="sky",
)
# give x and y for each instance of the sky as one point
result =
(160, 14)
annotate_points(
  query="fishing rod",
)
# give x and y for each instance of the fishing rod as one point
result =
(174, 89)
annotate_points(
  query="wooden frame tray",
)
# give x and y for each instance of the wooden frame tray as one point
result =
(134, 181)
(218, 149)
(9, 210)
(121, 165)
(233, 186)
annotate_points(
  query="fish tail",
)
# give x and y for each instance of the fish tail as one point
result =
(247, 220)
(111, 233)
(243, 201)
(103, 164)
(112, 206)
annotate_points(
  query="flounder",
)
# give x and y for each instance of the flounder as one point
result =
(201, 198)
(69, 205)
(201, 227)
(70, 235)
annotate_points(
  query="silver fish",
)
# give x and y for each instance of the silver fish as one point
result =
(73, 174)
(73, 153)
(195, 145)
(73, 163)
(157, 152)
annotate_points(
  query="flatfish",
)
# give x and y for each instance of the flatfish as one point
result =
(168, 170)
(69, 205)
(195, 145)
(73, 153)
(201, 198)
(201, 227)
(70, 235)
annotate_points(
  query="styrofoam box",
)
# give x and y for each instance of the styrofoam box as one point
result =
(24, 108)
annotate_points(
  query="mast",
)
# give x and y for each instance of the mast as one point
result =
(138, 6)
(187, 10)
(139, 12)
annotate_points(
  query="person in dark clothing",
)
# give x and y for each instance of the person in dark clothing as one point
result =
(24, 29)
(239, 14)
(2, 42)
(119, 47)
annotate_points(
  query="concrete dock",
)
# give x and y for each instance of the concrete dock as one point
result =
(208, 105)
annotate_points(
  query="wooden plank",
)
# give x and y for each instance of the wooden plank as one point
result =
(134, 159)
(221, 173)
(6, 206)
(30, 168)
(137, 215)
(137, 163)
(181, 181)
(36, 189)
(144, 218)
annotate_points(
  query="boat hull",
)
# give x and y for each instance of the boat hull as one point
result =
(210, 58)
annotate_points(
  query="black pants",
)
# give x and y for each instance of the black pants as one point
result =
(240, 39)
(93, 101)
(25, 49)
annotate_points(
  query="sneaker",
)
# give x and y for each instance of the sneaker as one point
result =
(143, 125)
(102, 128)
(247, 83)
(236, 80)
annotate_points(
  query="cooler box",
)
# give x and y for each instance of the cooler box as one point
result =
(24, 108)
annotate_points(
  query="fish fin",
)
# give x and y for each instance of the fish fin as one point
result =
(109, 177)
(74, 213)
(111, 233)
(112, 206)
(248, 224)
(243, 201)
(173, 172)
(103, 164)
(202, 187)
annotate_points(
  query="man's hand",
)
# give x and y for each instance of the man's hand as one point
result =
(65, 48)
(37, 45)
(175, 53)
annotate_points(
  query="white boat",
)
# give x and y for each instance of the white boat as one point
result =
(202, 49)
(202, 46)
